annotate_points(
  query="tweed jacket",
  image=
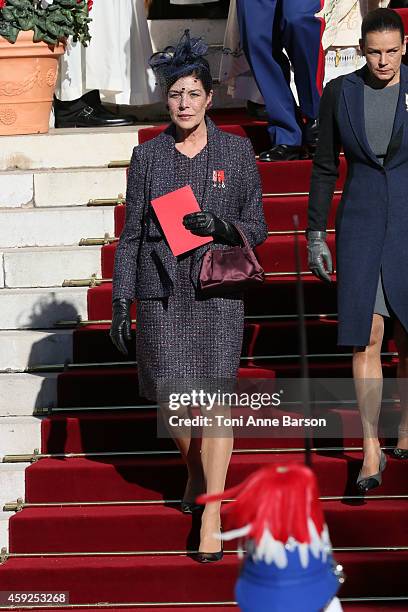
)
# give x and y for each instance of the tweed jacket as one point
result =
(144, 264)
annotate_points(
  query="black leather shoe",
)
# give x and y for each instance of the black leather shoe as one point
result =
(87, 111)
(283, 152)
(311, 135)
(258, 111)
(93, 98)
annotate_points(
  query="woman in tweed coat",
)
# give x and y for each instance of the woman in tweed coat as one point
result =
(181, 337)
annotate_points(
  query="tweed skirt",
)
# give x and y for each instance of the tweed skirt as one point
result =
(184, 339)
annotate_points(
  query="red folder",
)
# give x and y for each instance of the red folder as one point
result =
(170, 210)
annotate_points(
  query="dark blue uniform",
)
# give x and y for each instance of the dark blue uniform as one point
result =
(267, 27)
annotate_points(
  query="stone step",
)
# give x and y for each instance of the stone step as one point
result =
(20, 349)
(16, 189)
(12, 486)
(60, 187)
(68, 148)
(53, 227)
(22, 394)
(12, 481)
(41, 308)
(19, 435)
(48, 266)
(4, 529)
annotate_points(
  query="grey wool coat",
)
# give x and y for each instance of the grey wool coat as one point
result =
(144, 264)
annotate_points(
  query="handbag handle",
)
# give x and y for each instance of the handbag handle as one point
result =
(242, 235)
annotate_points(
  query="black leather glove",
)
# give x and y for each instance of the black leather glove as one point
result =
(120, 329)
(207, 224)
(319, 256)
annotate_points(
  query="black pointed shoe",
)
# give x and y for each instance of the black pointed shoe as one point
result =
(366, 483)
(400, 453)
(87, 111)
(283, 152)
(203, 557)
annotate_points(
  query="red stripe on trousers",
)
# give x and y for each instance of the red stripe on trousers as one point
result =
(322, 57)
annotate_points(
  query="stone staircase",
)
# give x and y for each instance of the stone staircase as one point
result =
(46, 182)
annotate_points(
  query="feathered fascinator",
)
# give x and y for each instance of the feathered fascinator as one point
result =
(276, 509)
(175, 62)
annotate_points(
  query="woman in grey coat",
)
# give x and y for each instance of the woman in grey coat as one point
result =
(181, 336)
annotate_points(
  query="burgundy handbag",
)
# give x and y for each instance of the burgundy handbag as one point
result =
(227, 270)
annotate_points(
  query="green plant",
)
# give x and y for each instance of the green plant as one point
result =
(52, 21)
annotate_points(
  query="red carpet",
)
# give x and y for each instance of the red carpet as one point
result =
(136, 430)
(276, 254)
(150, 528)
(373, 607)
(179, 578)
(257, 301)
(276, 297)
(163, 477)
(76, 528)
(278, 210)
(117, 386)
(260, 338)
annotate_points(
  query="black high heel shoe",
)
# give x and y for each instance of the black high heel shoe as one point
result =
(366, 483)
(190, 507)
(204, 557)
(401, 453)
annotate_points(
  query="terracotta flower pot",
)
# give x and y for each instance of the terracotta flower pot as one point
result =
(28, 73)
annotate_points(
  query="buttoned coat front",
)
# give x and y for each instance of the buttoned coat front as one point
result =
(144, 264)
(372, 219)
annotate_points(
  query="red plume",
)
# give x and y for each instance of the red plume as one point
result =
(279, 498)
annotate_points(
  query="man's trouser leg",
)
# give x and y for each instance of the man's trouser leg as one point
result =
(301, 35)
(256, 21)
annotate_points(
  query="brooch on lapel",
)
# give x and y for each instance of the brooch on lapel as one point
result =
(218, 178)
(406, 102)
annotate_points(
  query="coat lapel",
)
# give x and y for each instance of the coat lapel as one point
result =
(167, 151)
(164, 150)
(400, 117)
(214, 162)
(354, 97)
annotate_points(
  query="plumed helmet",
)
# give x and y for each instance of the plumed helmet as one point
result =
(289, 564)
